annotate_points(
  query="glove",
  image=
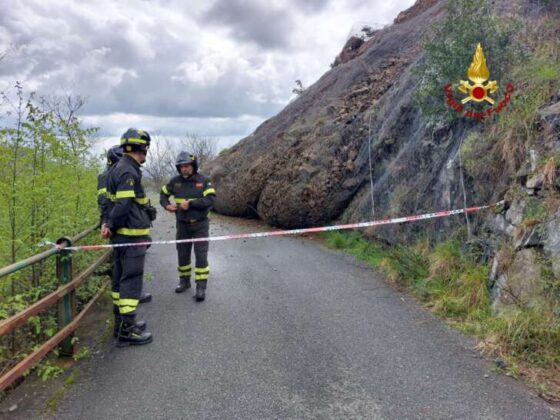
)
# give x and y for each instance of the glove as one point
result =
(152, 211)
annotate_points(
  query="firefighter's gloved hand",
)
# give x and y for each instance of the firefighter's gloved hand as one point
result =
(185, 205)
(171, 208)
(152, 212)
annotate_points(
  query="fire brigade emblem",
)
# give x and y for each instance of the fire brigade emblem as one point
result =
(478, 74)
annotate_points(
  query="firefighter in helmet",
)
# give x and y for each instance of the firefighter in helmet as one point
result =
(114, 154)
(194, 196)
(128, 221)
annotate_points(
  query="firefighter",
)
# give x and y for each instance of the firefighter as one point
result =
(194, 196)
(114, 154)
(128, 221)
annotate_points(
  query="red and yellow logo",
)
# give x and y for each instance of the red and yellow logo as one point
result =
(478, 73)
(480, 90)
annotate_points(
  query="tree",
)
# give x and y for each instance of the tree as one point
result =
(367, 32)
(299, 89)
(47, 175)
(160, 165)
(204, 148)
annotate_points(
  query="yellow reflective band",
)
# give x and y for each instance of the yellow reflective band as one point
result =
(133, 232)
(128, 302)
(127, 309)
(132, 140)
(201, 276)
(143, 200)
(165, 190)
(115, 295)
(110, 196)
(125, 194)
(202, 270)
(179, 200)
(209, 191)
(102, 191)
(184, 268)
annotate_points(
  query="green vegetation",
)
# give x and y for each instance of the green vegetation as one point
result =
(48, 179)
(46, 370)
(47, 175)
(452, 283)
(450, 46)
(355, 244)
(53, 402)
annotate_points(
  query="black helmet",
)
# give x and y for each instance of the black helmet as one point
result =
(185, 158)
(114, 154)
(134, 139)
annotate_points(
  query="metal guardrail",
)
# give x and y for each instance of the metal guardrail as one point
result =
(65, 296)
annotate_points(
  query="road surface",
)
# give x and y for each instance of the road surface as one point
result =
(289, 329)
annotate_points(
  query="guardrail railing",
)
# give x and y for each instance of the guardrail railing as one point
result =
(64, 295)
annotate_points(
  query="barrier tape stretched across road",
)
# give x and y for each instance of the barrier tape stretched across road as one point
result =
(289, 232)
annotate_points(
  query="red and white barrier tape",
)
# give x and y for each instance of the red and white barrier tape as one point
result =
(293, 231)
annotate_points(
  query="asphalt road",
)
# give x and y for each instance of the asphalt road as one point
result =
(290, 329)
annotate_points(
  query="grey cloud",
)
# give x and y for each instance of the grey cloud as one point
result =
(154, 92)
(105, 65)
(253, 21)
(310, 6)
(125, 59)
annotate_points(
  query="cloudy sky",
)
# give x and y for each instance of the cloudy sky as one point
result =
(216, 68)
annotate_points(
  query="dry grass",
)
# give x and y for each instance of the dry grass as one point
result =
(546, 381)
(504, 258)
(549, 172)
(525, 227)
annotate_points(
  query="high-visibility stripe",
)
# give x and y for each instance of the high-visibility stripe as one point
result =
(125, 194)
(126, 309)
(133, 140)
(110, 196)
(116, 297)
(101, 191)
(209, 191)
(127, 306)
(179, 200)
(128, 302)
(184, 268)
(133, 232)
(201, 276)
(143, 200)
(165, 190)
(202, 270)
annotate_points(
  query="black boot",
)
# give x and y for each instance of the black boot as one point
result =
(184, 284)
(200, 291)
(141, 325)
(130, 335)
(145, 297)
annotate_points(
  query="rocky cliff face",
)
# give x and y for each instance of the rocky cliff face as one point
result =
(528, 267)
(310, 164)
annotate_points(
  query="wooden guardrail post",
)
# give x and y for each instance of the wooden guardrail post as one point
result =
(66, 305)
